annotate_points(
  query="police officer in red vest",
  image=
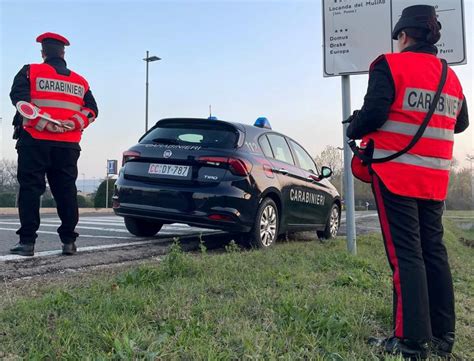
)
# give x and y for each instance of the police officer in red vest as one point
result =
(410, 190)
(46, 150)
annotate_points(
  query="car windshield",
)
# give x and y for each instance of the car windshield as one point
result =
(208, 134)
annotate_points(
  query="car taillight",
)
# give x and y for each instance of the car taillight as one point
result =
(237, 166)
(129, 155)
(240, 166)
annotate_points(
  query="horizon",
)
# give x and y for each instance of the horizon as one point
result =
(246, 59)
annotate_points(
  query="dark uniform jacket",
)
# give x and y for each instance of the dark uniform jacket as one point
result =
(21, 91)
(381, 94)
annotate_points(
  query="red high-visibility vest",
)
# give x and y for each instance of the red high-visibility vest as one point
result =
(423, 172)
(61, 97)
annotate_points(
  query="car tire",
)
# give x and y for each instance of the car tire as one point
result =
(332, 224)
(265, 231)
(141, 227)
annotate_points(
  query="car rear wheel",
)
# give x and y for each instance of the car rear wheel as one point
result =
(332, 224)
(265, 230)
(142, 228)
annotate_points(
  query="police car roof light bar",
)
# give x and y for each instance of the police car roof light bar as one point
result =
(263, 122)
(31, 111)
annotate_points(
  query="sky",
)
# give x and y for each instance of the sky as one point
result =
(246, 58)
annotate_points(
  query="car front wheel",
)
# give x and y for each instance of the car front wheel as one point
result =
(142, 228)
(332, 224)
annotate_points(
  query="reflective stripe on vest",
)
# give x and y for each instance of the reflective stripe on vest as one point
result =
(411, 129)
(56, 104)
(89, 115)
(413, 159)
(60, 86)
(419, 100)
(80, 120)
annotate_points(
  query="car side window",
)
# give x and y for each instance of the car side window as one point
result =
(304, 159)
(265, 145)
(280, 148)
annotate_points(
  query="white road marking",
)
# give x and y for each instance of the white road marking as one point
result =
(162, 232)
(89, 222)
(80, 227)
(82, 235)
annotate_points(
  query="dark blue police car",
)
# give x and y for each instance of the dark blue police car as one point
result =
(222, 175)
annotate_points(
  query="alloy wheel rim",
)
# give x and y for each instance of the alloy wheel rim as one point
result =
(334, 222)
(268, 225)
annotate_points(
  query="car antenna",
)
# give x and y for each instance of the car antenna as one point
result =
(210, 110)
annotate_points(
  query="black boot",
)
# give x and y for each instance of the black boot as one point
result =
(23, 249)
(411, 350)
(443, 346)
(69, 249)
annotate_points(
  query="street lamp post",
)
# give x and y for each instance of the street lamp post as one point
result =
(148, 59)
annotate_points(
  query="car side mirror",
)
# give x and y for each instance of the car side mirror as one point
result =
(326, 172)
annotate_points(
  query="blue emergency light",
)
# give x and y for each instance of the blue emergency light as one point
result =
(263, 122)
(212, 118)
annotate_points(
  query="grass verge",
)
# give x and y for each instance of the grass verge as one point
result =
(302, 300)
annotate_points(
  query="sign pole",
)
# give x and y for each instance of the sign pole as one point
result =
(348, 179)
(107, 186)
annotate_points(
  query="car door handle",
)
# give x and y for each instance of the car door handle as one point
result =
(282, 171)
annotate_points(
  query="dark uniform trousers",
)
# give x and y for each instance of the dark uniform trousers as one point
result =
(423, 288)
(60, 166)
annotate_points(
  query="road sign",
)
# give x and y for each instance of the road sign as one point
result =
(355, 32)
(111, 166)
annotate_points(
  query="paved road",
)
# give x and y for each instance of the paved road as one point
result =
(366, 222)
(105, 231)
(96, 232)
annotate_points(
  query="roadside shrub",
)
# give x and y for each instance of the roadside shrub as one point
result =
(84, 202)
(99, 199)
(7, 199)
(177, 263)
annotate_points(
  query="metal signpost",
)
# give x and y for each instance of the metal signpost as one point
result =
(355, 33)
(111, 169)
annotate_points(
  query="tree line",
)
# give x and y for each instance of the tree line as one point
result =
(459, 194)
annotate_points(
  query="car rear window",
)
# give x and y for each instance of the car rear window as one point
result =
(208, 134)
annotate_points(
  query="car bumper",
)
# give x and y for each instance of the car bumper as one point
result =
(223, 207)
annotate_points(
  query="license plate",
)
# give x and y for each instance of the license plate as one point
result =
(169, 169)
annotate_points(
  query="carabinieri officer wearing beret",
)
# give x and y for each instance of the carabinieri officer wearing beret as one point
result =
(46, 149)
(410, 190)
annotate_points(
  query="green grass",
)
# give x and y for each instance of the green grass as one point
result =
(303, 300)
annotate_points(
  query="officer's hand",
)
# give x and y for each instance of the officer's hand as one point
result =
(351, 118)
(53, 128)
(69, 125)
